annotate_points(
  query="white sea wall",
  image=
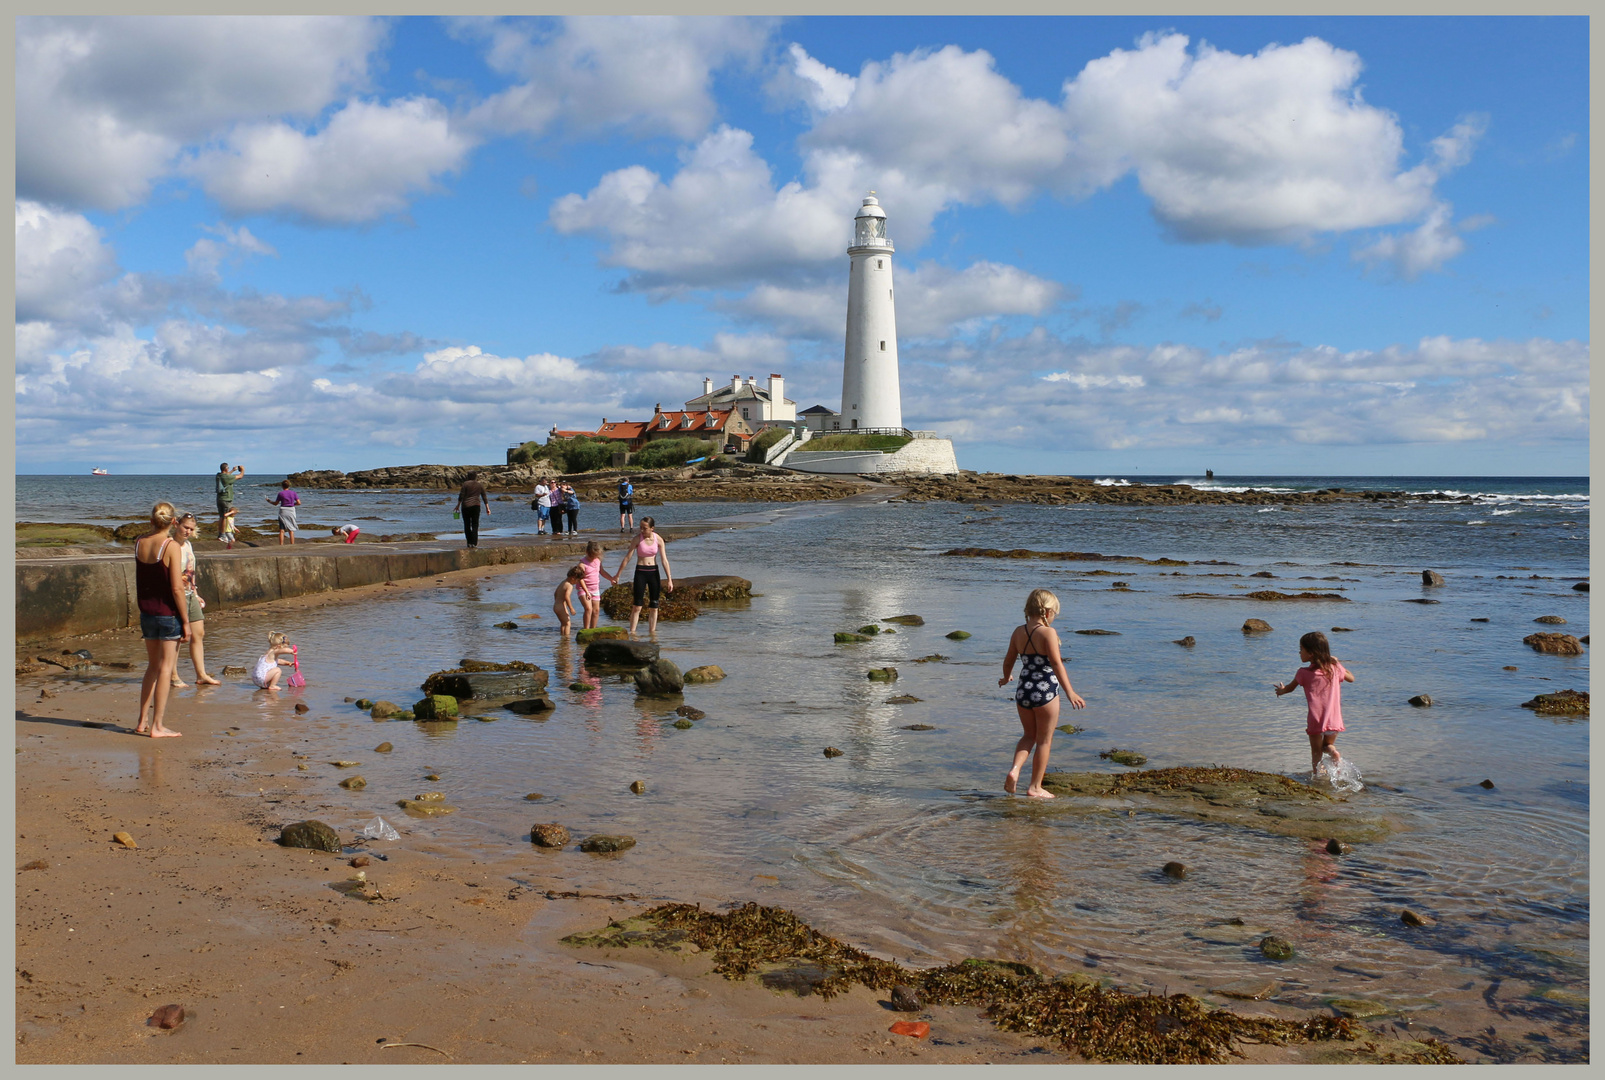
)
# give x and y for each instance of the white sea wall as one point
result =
(925, 454)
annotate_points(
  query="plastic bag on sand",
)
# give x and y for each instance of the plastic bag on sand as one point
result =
(379, 829)
(1345, 777)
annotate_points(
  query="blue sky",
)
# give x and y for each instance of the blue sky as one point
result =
(1259, 245)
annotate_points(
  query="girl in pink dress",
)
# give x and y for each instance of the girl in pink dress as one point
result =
(591, 585)
(1322, 682)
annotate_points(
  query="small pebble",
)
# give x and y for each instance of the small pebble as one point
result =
(1422, 701)
(383, 748)
(533, 796)
(1175, 870)
(906, 999)
(831, 751)
(1489, 784)
(167, 1017)
(1335, 846)
(361, 860)
(301, 707)
(638, 787)
(1410, 918)
(432, 776)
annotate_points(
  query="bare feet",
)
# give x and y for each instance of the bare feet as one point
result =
(1040, 793)
(207, 680)
(1010, 781)
(164, 733)
(179, 683)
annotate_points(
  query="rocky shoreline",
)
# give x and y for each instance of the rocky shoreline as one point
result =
(763, 483)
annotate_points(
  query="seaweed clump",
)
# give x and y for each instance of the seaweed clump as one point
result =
(1099, 1023)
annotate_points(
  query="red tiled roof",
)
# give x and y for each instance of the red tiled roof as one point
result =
(573, 434)
(622, 429)
(711, 420)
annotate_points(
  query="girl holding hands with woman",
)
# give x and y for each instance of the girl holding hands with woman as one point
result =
(652, 574)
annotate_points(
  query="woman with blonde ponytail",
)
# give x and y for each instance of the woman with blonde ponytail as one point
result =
(163, 616)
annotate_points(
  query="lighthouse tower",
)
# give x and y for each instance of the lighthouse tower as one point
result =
(870, 394)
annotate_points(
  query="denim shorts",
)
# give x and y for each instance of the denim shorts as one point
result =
(160, 627)
(545, 512)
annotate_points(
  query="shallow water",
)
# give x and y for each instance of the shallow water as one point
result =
(906, 843)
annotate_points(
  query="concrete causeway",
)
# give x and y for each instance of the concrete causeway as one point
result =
(73, 593)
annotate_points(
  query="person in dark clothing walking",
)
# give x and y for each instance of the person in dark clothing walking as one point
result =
(571, 507)
(471, 500)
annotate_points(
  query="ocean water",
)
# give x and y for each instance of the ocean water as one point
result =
(907, 845)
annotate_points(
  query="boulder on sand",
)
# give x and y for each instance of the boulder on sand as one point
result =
(550, 835)
(310, 834)
(660, 678)
(599, 845)
(620, 654)
(1556, 644)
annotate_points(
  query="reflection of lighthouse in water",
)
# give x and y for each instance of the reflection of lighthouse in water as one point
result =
(870, 394)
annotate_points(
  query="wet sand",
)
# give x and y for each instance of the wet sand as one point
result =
(274, 964)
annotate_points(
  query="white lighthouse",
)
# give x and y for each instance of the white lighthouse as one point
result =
(870, 394)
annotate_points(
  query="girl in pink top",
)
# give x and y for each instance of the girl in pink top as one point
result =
(591, 586)
(1322, 682)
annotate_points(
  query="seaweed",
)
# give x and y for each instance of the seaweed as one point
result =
(1100, 1023)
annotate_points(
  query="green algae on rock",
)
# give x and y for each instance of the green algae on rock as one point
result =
(1124, 757)
(845, 638)
(1257, 800)
(1100, 1023)
(1560, 703)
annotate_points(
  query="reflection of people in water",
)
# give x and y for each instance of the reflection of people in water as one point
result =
(1039, 887)
(570, 668)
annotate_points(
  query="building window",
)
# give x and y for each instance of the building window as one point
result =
(883, 346)
(835, 425)
(744, 415)
(880, 264)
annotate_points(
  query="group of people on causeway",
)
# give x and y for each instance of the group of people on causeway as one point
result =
(553, 504)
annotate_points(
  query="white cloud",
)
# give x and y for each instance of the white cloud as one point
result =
(61, 262)
(1434, 242)
(819, 86)
(645, 74)
(206, 256)
(366, 162)
(196, 346)
(104, 105)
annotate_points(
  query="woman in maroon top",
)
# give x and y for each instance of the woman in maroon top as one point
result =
(163, 616)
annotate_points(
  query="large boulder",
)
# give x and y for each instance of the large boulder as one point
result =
(601, 633)
(705, 673)
(548, 835)
(384, 710)
(620, 654)
(1431, 577)
(1256, 626)
(1558, 644)
(310, 834)
(660, 678)
(1560, 703)
(524, 680)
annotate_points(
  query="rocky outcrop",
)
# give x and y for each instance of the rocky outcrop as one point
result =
(620, 654)
(1242, 797)
(676, 606)
(1552, 620)
(1557, 644)
(488, 681)
(713, 588)
(494, 477)
(1431, 577)
(1560, 703)
(1256, 626)
(436, 707)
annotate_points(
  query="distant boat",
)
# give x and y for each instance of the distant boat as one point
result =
(98, 472)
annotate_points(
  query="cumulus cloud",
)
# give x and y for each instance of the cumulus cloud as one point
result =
(206, 256)
(61, 261)
(369, 160)
(647, 75)
(1275, 147)
(104, 105)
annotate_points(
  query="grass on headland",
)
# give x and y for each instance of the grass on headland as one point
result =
(846, 440)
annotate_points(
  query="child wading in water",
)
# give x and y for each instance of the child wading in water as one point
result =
(268, 669)
(1037, 697)
(591, 587)
(1322, 682)
(563, 607)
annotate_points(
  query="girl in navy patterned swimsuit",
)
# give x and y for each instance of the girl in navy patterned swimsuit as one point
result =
(1037, 697)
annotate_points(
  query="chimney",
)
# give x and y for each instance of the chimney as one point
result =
(707, 386)
(735, 382)
(657, 408)
(777, 388)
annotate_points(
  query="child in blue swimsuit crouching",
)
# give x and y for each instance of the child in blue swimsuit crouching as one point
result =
(1037, 697)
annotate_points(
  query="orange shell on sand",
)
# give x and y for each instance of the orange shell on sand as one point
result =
(917, 1028)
